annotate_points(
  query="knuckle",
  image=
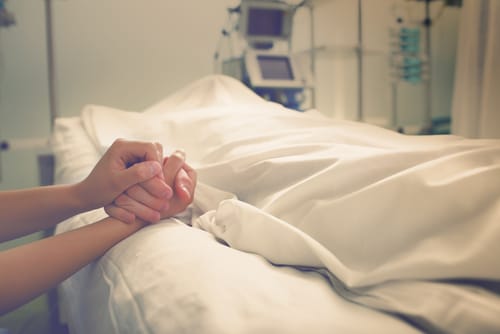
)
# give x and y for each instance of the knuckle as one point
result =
(133, 191)
(150, 148)
(118, 142)
(109, 209)
(142, 172)
(122, 200)
(157, 205)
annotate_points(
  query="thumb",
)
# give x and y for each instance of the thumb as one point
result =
(139, 172)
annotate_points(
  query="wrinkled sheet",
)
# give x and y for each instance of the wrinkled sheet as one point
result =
(407, 225)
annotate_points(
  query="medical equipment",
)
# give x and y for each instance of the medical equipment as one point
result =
(408, 65)
(273, 76)
(6, 18)
(266, 64)
(410, 57)
(407, 60)
(265, 22)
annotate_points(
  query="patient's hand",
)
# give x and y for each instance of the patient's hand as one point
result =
(151, 203)
(182, 179)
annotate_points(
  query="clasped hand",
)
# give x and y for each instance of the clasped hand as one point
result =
(162, 196)
(133, 181)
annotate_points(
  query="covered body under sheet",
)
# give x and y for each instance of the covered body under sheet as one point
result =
(300, 223)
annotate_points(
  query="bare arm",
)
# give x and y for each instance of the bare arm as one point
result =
(30, 210)
(32, 269)
(123, 165)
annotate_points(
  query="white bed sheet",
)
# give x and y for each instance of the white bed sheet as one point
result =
(173, 278)
(391, 220)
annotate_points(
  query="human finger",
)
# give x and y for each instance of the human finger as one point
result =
(159, 155)
(131, 151)
(185, 183)
(191, 172)
(157, 187)
(119, 213)
(141, 195)
(159, 151)
(172, 165)
(138, 173)
(140, 210)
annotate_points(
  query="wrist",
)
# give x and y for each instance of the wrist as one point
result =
(79, 195)
(127, 228)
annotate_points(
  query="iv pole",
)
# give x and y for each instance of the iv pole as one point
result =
(6, 19)
(50, 63)
(427, 127)
(359, 53)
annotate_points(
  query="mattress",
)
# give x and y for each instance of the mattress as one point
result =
(299, 223)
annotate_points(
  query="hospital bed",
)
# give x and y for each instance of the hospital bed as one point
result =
(300, 224)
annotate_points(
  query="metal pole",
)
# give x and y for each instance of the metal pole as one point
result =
(359, 50)
(50, 63)
(427, 129)
(394, 102)
(313, 56)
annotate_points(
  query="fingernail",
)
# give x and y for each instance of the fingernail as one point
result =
(159, 151)
(180, 154)
(185, 189)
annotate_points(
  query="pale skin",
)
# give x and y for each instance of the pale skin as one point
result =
(129, 181)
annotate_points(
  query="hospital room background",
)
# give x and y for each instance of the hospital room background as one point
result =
(58, 56)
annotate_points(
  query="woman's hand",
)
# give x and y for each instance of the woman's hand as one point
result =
(146, 200)
(124, 164)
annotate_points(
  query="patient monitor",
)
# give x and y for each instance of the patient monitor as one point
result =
(265, 68)
(265, 22)
(273, 76)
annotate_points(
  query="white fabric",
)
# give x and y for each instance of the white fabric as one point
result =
(389, 218)
(476, 111)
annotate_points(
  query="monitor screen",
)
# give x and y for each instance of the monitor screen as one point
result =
(275, 68)
(265, 22)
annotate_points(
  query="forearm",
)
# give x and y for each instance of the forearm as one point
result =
(29, 270)
(30, 210)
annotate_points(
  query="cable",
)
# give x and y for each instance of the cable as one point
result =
(226, 32)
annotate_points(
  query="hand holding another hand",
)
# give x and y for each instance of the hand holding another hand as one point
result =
(150, 200)
(124, 164)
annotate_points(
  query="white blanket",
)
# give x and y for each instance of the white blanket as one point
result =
(405, 224)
